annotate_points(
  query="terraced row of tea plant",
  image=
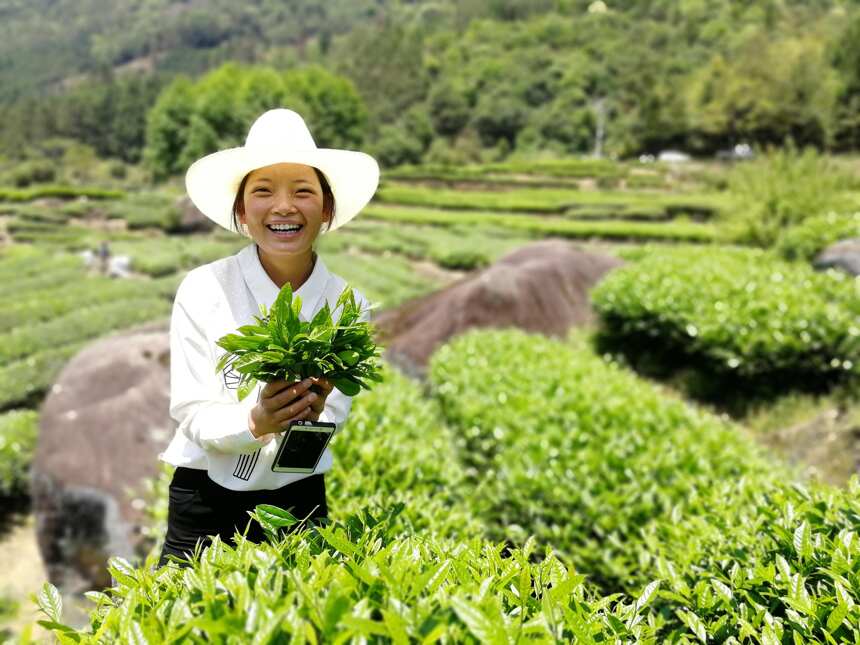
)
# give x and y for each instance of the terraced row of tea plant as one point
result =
(580, 199)
(633, 486)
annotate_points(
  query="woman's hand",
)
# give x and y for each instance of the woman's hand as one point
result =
(281, 402)
(323, 388)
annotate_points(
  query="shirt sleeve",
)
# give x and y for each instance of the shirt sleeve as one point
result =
(198, 401)
(338, 404)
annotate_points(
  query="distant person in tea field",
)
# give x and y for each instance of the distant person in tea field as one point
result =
(104, 257)
(281, 192)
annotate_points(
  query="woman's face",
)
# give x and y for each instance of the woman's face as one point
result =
(278, 198)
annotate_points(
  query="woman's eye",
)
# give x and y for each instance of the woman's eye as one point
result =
(260, 190)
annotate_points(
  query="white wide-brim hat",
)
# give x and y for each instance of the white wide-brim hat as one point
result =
(280, 136)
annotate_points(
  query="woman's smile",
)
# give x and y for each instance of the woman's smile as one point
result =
(285, 230)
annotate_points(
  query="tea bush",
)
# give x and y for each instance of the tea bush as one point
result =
(355, 581)
(80, 324)
(461, 259)
(24, 381)
(145, 210)
(782, 189)
(602, 451)
(25, 272)
(62, 192)
(544, 226)
(807, 240)
(633, 486)
(740, 311)
(18, 432)
(45, 304)
(366, 577)
(573, 168)
(555, 201)
(386, 280)
(162, 256)
(394, 448)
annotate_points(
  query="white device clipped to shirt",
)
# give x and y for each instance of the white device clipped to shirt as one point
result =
(302, 446)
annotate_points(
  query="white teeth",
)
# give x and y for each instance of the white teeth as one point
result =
(284, 227)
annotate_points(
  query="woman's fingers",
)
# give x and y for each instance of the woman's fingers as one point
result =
(304, 414)
(273, 387)
(326, 385)
(289, 411)
(285, 394)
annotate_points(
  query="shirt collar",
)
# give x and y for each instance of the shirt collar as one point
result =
(266, 291)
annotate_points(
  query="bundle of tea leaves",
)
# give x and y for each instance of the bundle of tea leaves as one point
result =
(280, 346)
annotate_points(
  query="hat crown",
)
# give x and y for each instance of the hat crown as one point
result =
(281, 128)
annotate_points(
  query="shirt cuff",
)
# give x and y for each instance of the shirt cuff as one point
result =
(263, 439)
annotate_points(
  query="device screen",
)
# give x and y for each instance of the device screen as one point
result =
(303, 448)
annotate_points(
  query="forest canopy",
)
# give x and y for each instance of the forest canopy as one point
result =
(439, 81)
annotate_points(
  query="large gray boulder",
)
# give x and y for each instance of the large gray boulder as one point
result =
(844, 255)
(101, 428)
(541, 287)
(190, 219)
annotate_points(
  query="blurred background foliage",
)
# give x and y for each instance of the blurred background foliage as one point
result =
(444, 81)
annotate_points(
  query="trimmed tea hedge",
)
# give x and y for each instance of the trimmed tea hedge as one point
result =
(44, 305)
(386, 280)
(543, 226)
(164, 255)
(366, 576)
(557, 201)
(22, 272)
(62, 192)
(18, 432)
(603, 451)
(808, 239)
(354, 581)
(63, 270)
(24, 381)
(740, 311)
(392, 449)
(634, 486)
(78, 325)
(571, 168)
(146, 210)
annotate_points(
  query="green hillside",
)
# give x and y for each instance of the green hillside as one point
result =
(456, 81)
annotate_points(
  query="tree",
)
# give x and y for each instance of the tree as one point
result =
(769, 91)
(190, 120)
(167, 128)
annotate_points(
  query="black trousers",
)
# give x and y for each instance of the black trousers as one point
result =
(199, 508)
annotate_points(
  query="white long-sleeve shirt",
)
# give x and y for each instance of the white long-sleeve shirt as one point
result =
(213, 432)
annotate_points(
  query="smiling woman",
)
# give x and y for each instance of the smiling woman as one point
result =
(280, 191)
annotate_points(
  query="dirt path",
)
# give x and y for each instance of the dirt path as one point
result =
(22, 575)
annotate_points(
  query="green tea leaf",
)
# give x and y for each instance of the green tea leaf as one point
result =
(349, 357)
(50, 602)
(347, 386)
(274, 516)
(834, 620)
(245, 388)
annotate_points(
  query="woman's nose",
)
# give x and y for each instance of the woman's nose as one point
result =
(284, 202)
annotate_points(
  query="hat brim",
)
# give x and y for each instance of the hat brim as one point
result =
(212, 181)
